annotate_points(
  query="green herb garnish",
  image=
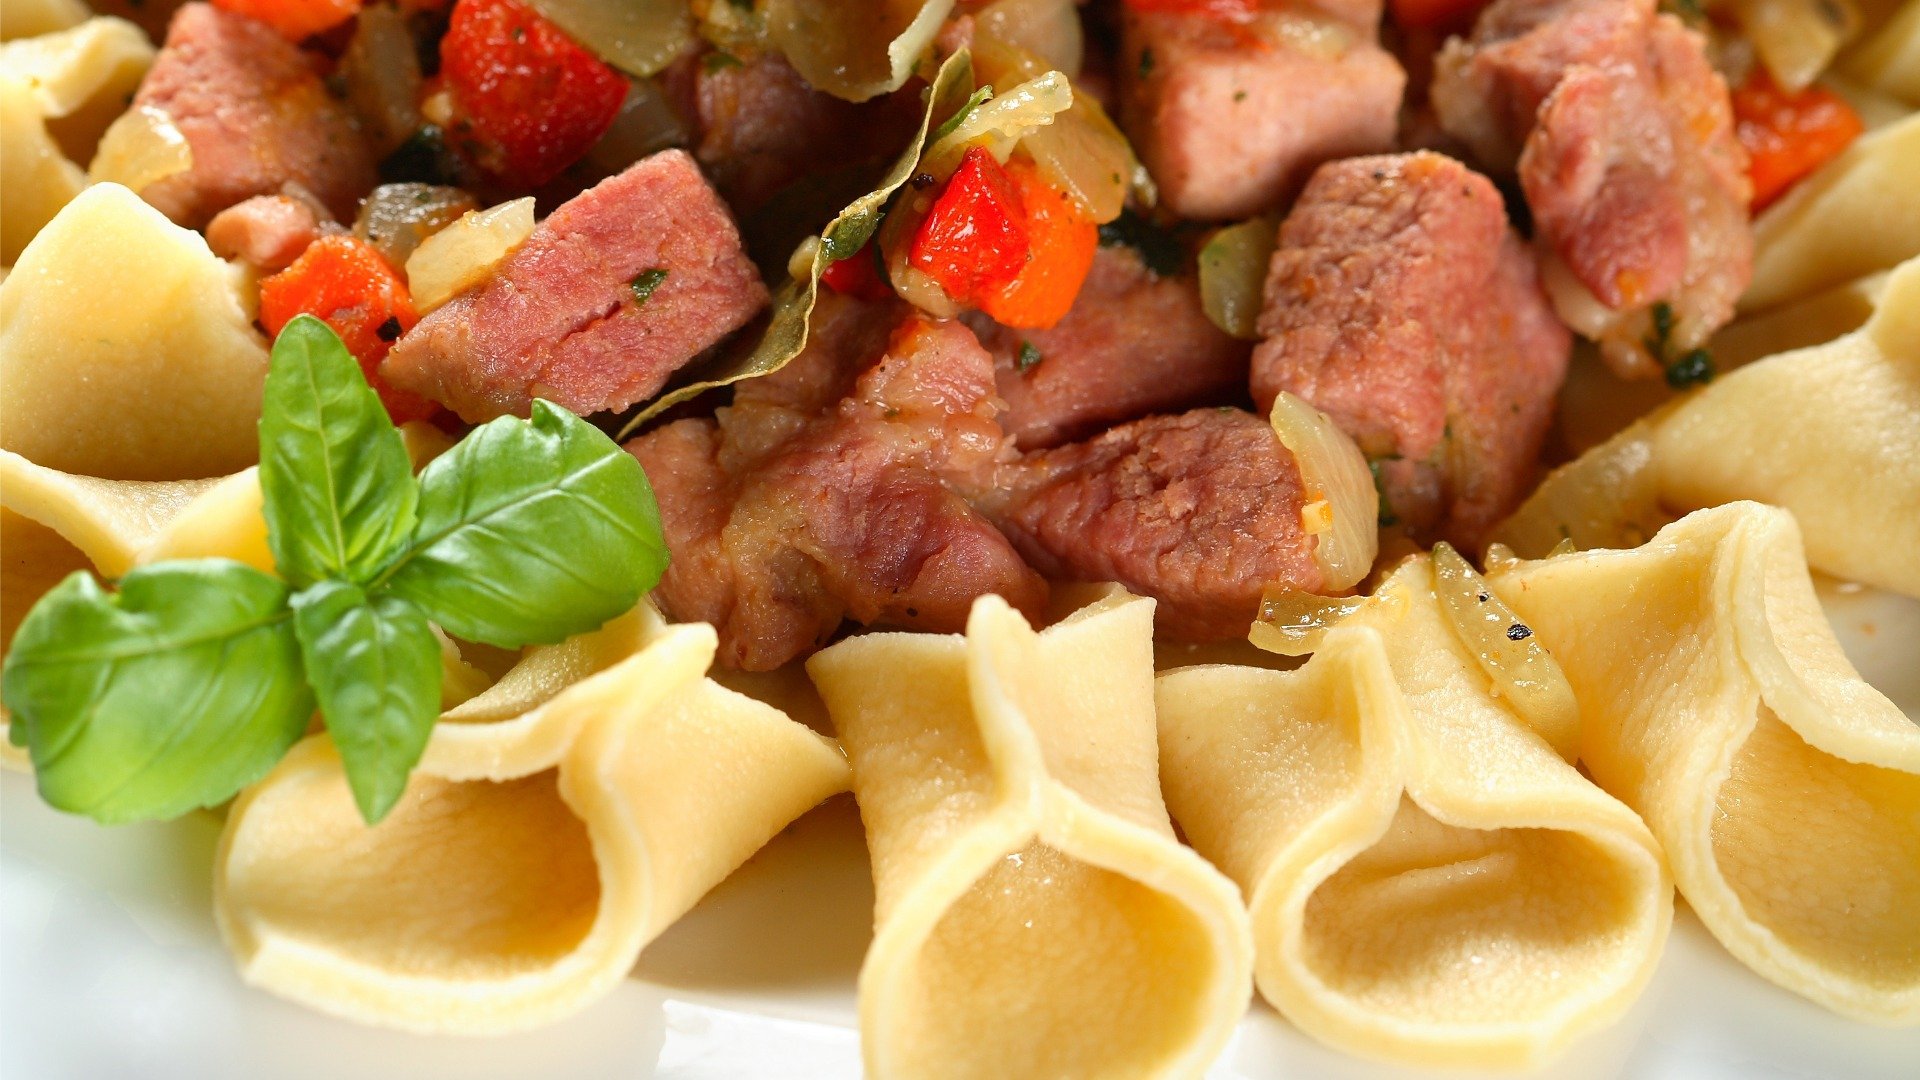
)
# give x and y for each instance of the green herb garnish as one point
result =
(1029, 357)
(196, 676)
(1160, 249)
(1694, 368)
(719, 60)
(947, 126)
(645, 282)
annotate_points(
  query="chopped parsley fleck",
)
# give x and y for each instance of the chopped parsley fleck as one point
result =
(1519, 632)
(646, 282)
(974, 101)
(1239, 96)
(1029, 357)
(1388, 518)
(1146, 62)
(719, 61)
(1692, 369)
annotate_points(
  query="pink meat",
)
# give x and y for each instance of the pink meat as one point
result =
(1231, 117)
(561, 317)
(1400, 303)
(1200, 511)
(267, 232)
(1622, 136)
(852, 515)
(256, 117)
(1134, 343)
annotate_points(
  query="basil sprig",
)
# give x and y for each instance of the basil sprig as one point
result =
(194, 678)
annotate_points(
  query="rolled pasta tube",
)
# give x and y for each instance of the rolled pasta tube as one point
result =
(1784, 789)
(1430, 883)
(481, 906)
(1034, 914)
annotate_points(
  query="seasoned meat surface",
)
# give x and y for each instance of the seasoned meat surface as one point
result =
(267, 232)
(1401, 303)
(615, 291)
(256, 117)
(1134, 343)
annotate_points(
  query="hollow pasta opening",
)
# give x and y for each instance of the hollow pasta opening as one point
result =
(462, 880)
(1825, 853)
(1437, 924)
(1049, 966)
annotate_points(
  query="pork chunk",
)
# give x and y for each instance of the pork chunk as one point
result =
(1134, 343)
(1230, 117)
(267, 232)
(852, 515)
(569, 315)
(1622, 136)
(1401, 303)
(1200, 511)
(256, 117)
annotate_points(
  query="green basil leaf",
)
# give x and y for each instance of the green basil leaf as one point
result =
(173, 693)
(339, 489)
(530, 532)
(375, 666)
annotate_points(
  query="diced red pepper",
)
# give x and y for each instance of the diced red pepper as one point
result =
(858, 276)
(1237, 10)
(1788, 135)
(1061, 241)
(974, 239)
(533, 99)
(1445, 15)
(350, 287)
(296, 20)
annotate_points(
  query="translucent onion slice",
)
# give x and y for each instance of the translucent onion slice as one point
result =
(1084, 154)
(896, 237)
(1233, 275)
(1797, 39)
(854, 49)
(1293, 623)
(464, 253)
(1334, 472)
(1000, 122)
(646, 123)
(1522, 669)
(1608, 497)
(396, 218)
(640, 37)
(382, 76)
(1047, 29)
(139, 149)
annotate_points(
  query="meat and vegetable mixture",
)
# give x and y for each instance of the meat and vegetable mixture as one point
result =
(1045, 350)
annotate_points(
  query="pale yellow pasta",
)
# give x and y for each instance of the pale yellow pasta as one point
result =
(1034, 914)
(1429, 882)
(1854, 216)
(1811, 320)
(31, 18)
(35, 176)
(1889, 58)
(488, 905)
(1784, 789)
(125, 350)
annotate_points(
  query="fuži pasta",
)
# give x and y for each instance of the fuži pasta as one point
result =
(1264, 507)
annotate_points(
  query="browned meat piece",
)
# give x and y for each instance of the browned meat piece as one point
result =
(1231, 117)
(1400, 303)
(1199, 511)
(569, 315)
(846, 516)
(267, 232)
(1133, 344)
(1622, 134)
(255, 116)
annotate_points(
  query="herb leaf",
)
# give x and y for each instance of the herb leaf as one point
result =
(172, 694)
(339, 491)
(375, 666)
(531, 531)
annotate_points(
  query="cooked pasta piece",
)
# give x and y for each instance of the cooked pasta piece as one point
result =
(1034, 914)
(1852, 217)
(125, 349)
(1888, 59)
(1784, 789)
(37, 177)
(31, 18)
(519, 884)
(1429, 882)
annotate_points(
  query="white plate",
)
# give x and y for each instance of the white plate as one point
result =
(110, 968)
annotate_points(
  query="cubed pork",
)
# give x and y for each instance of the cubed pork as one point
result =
(267, 232)
(615, 291)
(255, 116)
(1200, 511)
(1231, 116)
(1622, 136)
(1401, 303)
(854, 515)
(1134, 343)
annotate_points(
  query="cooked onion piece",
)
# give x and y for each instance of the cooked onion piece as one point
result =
(855, 49)
(645, 124)
(1608, 497)
(1294, 623)
(461, 255)
(637, 36)
(1001, 121)
(1233, 273)
(382, 76)
(1797, 39)
(1523, 672)
(1342, 508)
(141, 148)
(1047, 29)
(397, 218)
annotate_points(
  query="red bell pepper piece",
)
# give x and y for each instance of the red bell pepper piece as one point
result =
(859, 275)
(974, 239)
(1061, 241)
(531, 98)
(296, 20)
(350, 287)
(1788, 135)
